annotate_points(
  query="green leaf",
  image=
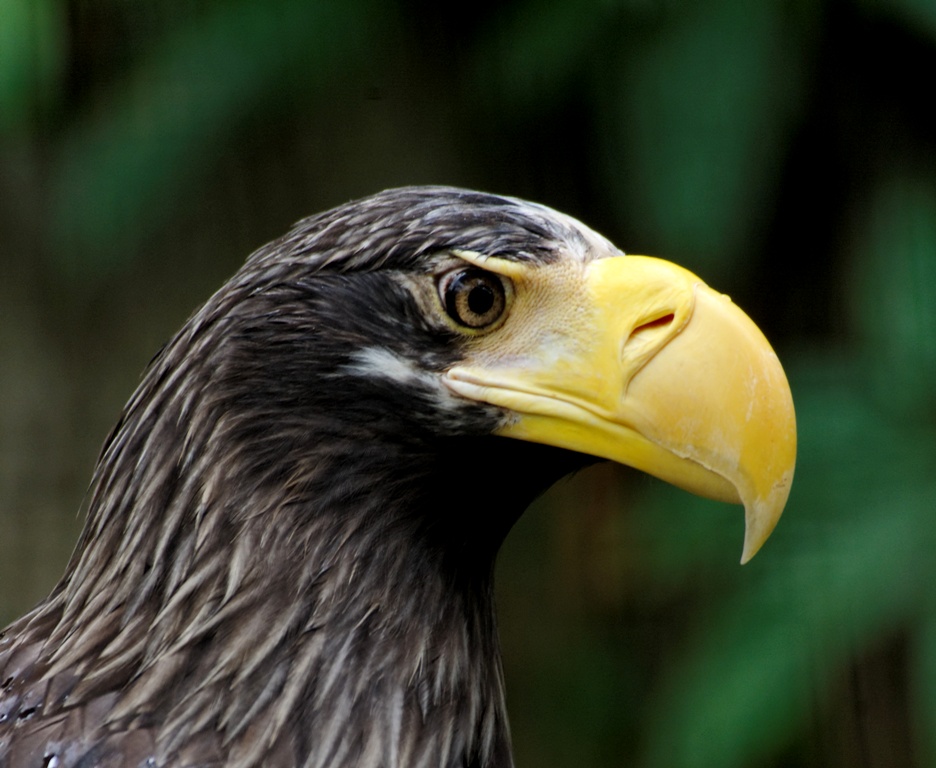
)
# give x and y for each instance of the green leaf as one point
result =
(31, 53)
(749, 683)
(536, 50)
(132, 163)
(894, 295)
(698, 123)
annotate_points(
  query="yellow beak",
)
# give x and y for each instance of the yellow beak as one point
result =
(649, 367)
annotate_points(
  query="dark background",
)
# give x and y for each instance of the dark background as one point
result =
(783, 149)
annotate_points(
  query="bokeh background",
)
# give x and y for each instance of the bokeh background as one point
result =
(783, 149)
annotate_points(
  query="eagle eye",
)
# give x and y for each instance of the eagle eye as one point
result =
(474, 298)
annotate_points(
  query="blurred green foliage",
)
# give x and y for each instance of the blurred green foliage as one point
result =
(784, 149)
(31, 53)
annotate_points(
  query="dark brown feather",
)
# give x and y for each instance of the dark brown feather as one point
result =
(287, 560)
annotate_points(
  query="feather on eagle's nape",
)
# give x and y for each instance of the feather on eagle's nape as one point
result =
(291, 531)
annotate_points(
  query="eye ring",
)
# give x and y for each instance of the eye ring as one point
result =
(474, 298)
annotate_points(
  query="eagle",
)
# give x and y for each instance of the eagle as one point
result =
(291, 531)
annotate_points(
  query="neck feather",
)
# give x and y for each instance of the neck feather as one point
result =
(303, 622)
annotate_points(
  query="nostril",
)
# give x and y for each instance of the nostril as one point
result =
(646, 339)
(660, 322)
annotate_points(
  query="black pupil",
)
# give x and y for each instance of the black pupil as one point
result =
(480, 299)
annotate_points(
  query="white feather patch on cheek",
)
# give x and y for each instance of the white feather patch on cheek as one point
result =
(382, 363)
